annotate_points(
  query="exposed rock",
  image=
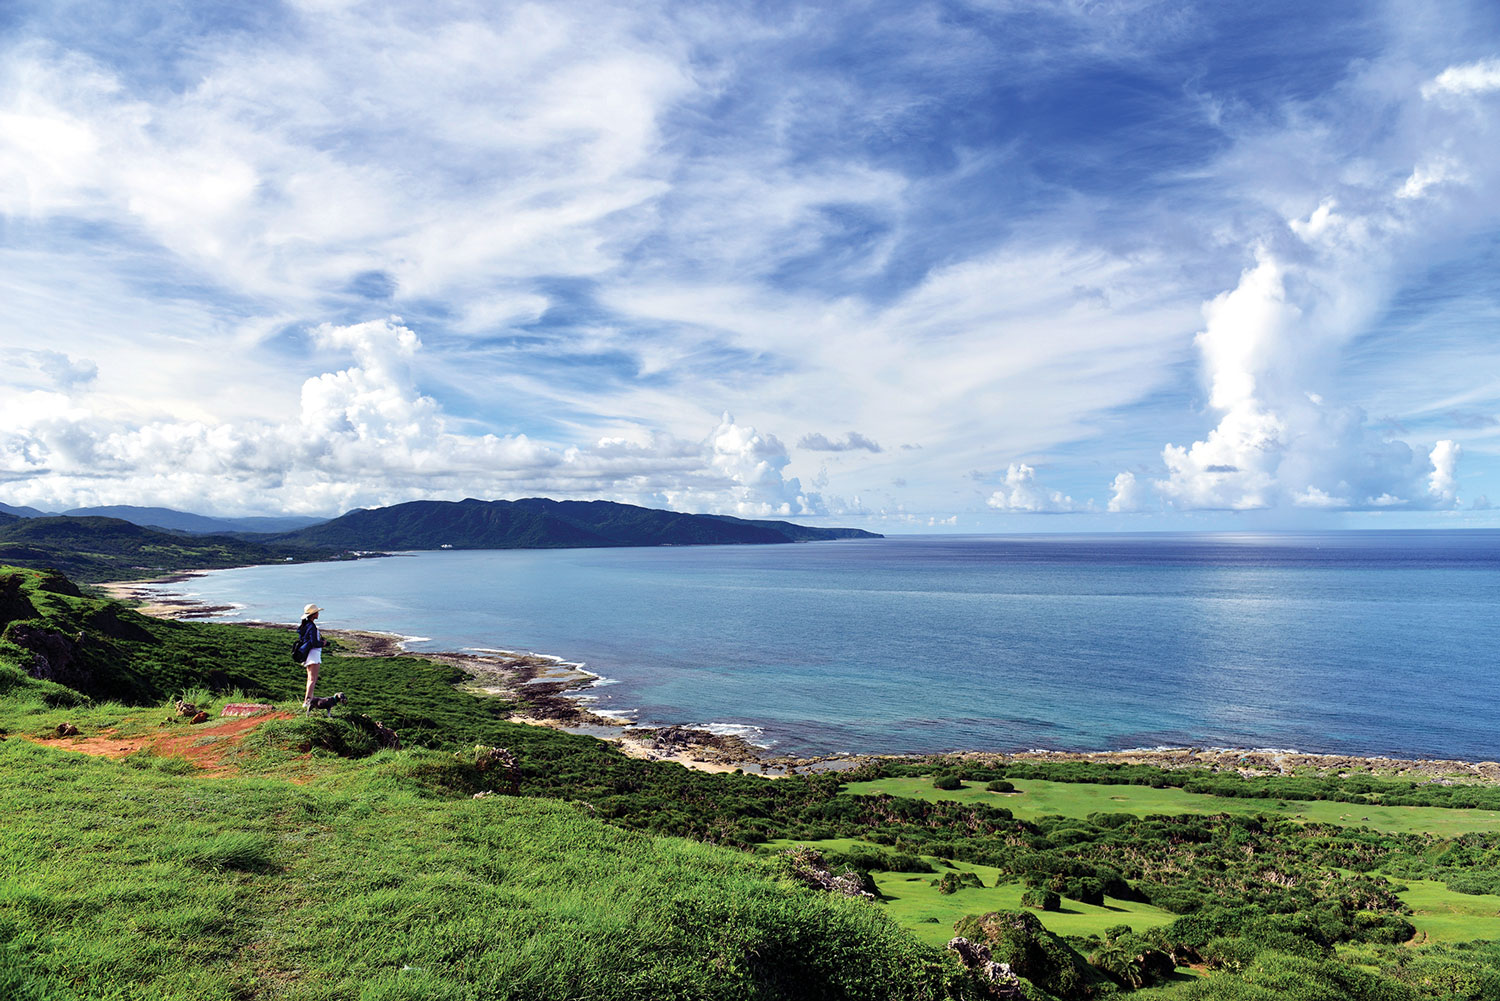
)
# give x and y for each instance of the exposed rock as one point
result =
(199, 717)
(998, 977)
(185, 708)
(245, 709)
(54, 657)
(700, 745)
(807, 866)
(501, 764)
(13, 604)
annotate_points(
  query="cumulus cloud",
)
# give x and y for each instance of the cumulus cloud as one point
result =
(1127, 493)
(365, 435)
(1443, 483)
(1270, 345)
(1022, 493)
(851, 441)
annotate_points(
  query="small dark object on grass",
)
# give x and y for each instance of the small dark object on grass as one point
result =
(385, 735)
(326, 702)
(199, 717)
(67, 730)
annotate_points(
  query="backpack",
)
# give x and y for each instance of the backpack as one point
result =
(299, 645)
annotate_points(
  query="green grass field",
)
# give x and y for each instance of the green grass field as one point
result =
(914, 903)
(1439, 914)
(1444, 916)
(1035, 798)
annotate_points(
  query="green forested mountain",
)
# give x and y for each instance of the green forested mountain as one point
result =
(539, 523)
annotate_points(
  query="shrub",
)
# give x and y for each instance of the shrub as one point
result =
(1041, 898)
(948, 782)
(1000, 785)
(1226, 953)
(952, 882)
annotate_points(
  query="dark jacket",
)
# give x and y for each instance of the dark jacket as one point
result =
(308, 637)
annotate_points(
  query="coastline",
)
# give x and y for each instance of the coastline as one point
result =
(555, 692)
(553, 688)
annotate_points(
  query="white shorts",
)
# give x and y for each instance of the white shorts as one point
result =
(314, 657)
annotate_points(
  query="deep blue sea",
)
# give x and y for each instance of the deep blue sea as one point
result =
(1353, 642)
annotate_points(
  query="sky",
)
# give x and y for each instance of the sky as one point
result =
(987, 266)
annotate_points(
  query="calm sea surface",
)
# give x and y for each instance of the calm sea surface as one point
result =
(1358, 642)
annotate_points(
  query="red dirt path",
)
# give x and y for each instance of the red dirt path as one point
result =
(181, 741)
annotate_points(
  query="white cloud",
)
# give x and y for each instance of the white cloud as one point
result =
(613, 222)
(1271, 346)
(1471, 78)
(1022, 492)
(1127, 493)
(1443, 483)
(364, 435)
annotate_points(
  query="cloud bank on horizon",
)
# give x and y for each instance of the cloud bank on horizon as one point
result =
(940, 264)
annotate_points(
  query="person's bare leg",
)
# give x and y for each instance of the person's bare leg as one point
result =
(312, 681)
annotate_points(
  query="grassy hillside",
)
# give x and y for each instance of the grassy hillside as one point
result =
(100, 549)
(139, 882)
(377, 875)
(298, 859)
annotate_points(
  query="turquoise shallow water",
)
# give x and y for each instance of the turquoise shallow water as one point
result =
(1366, 643)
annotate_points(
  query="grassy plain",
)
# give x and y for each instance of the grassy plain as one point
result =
(914, 903)
(1442, 915)
(1037, 798)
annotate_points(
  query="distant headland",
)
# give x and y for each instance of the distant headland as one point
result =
(133, 542)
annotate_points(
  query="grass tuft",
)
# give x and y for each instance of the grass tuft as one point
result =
(239, 851)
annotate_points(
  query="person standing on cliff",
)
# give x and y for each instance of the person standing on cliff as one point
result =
(311, 642)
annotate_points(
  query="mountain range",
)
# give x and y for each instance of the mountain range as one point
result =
(98, 548)
(172, 521)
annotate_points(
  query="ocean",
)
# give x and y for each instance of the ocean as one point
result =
(1362, 643)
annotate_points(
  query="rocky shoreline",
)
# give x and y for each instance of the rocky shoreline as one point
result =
(552, 691)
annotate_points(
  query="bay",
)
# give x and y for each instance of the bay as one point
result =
(1352, 642)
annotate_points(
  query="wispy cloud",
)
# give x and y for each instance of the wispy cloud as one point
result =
(989, 228)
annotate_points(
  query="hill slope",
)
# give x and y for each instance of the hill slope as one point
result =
(539, 523)
(97, 549)
(378, 875)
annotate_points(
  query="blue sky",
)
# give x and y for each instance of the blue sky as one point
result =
(986, 266)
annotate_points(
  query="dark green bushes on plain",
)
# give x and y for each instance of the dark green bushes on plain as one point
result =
(1041, 898)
